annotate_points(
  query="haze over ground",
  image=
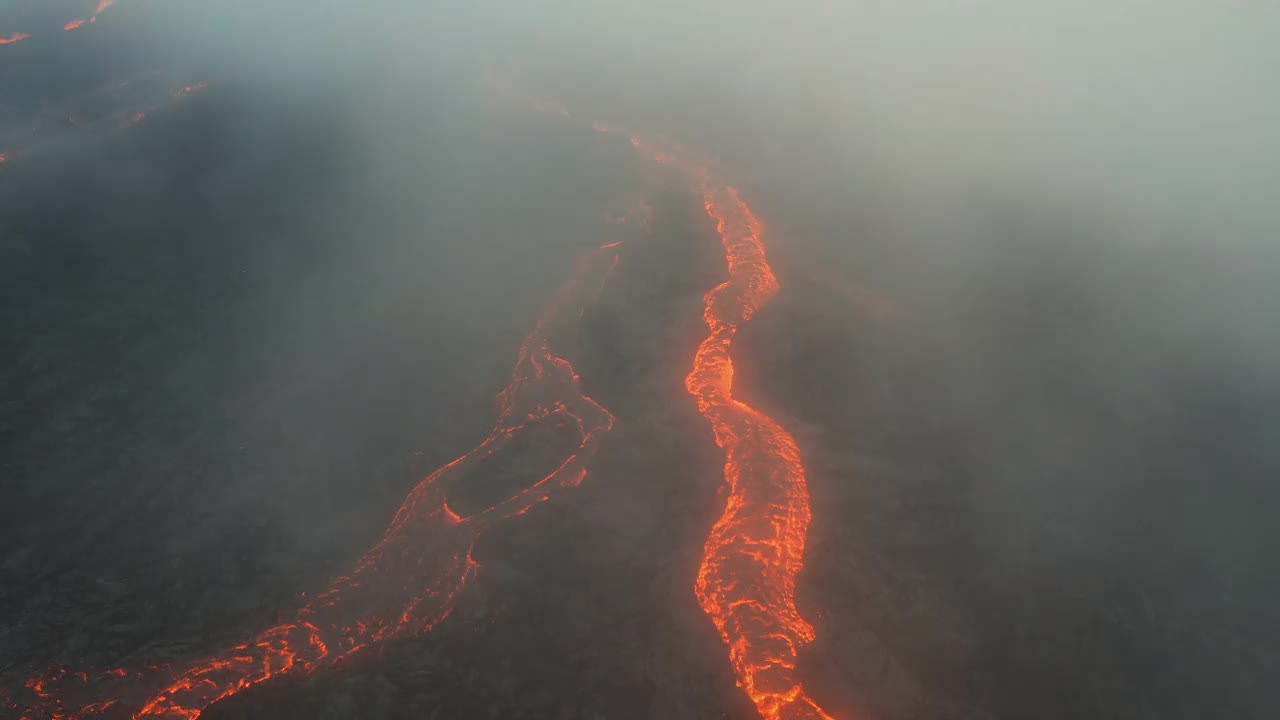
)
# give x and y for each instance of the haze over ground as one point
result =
(1042, 484)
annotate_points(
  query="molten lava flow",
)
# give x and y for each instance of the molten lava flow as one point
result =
(14, 37)
(409, 581)
(175, 95)
(747, 580)
(188, 89)
(132, 120)
(78, 22)
(117, 119)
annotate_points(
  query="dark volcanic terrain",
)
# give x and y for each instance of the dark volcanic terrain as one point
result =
(248, 303)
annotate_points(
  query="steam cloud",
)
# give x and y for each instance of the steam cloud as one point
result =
(1025, 336)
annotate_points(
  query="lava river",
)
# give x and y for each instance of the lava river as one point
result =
(410, 580)
(747, 579)
(407, 583)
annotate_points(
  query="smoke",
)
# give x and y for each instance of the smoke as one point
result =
(1070, 208)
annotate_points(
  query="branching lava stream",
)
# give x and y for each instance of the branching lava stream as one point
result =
(409, 581)
(405, 584)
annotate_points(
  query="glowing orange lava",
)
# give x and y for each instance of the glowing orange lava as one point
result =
(188, 89)
(409, 581)
(14, 37)
(747, 580)
(79, 22)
